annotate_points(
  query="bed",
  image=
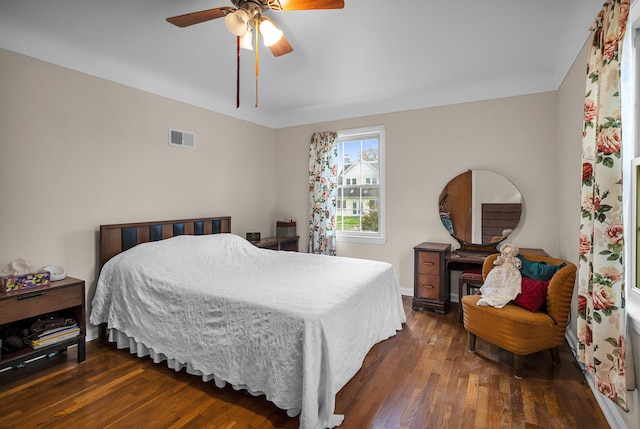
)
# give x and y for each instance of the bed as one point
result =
(294, 327)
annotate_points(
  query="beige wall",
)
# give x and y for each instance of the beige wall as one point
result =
(425, 149)
(77, 151)
(570, 123)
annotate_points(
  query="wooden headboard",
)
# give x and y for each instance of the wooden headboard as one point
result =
(117, 238)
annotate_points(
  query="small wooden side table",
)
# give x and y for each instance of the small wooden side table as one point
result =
(64, 297)
(430, 290)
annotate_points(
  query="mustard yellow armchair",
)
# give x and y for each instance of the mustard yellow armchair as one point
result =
(519, 330)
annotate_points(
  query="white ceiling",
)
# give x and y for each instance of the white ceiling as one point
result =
(371, 57)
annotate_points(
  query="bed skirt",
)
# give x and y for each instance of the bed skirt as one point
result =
(123, 341)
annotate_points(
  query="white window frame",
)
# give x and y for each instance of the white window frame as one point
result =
(631, 160)
(379, 237)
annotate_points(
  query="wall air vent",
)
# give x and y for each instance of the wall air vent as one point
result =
(182, 138)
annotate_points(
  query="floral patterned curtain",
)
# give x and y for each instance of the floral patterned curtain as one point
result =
(323, 182)
(601, 295)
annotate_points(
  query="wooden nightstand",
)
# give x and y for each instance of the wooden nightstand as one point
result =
(279, 243)
(430, 290)
(64, 298)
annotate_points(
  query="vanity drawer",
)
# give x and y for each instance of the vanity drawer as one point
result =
(428, 263)
(428, 286)
(39, 301)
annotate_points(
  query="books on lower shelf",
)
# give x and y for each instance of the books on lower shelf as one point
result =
(54, 336)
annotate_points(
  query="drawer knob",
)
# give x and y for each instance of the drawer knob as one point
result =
(427, 263)
(428, 286)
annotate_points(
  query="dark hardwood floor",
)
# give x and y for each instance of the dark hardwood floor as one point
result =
(424, 377)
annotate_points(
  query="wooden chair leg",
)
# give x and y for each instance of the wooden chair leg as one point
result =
(460, 301)
(518, 363)
(555, 356)
(472, 342)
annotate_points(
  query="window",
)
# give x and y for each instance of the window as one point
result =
(361, 216)
(630, 78)
(630, 81)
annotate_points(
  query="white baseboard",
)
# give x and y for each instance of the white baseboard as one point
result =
(92, 333)
(406, 291)
(609, 409)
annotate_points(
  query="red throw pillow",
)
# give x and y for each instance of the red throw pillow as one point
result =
(533, 295)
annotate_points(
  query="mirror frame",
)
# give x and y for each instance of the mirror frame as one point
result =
(470, 246)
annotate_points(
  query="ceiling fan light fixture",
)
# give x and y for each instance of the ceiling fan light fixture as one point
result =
(237, 22)
(270, 33)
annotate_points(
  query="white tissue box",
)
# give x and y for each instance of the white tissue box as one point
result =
(25, 281)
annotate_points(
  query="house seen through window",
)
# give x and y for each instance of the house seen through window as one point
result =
(360, 195)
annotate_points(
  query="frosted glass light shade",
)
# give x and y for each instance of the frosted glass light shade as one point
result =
(245, 40)
(270, 33)
(237, 22)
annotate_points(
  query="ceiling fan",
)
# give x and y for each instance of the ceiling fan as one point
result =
(238, 19)
(246, 14)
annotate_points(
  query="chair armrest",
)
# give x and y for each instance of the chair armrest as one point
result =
(560, 293)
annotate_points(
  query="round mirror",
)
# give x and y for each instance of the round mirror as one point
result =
(480, 208)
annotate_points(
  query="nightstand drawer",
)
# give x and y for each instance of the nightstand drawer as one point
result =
(428, 286)
(428, 263)
(38, 302)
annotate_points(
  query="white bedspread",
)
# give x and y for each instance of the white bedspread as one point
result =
(293, 326)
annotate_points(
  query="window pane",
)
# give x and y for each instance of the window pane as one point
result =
(359, 163)
(370, 150)
(370, 221)
(361, 213)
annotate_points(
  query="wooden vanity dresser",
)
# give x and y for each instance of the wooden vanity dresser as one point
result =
(430, 290)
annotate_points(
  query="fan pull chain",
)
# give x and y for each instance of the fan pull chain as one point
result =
(257, 61)
(238, 73)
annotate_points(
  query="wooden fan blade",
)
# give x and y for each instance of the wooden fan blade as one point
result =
(281, 47)
(310, 4)
(198, 17)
